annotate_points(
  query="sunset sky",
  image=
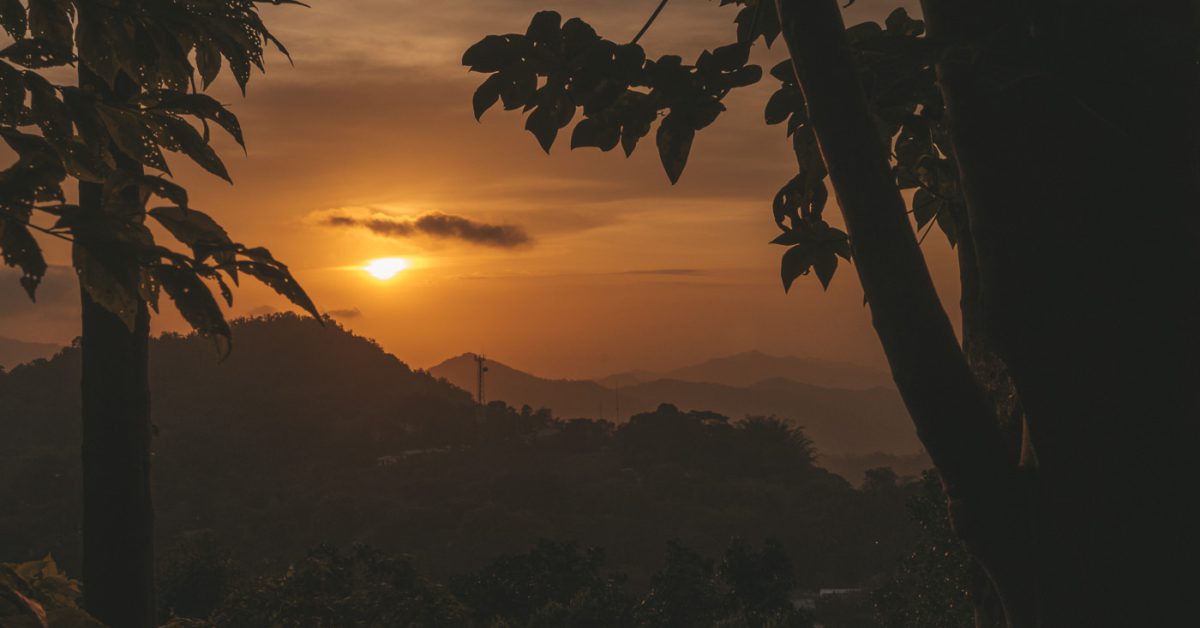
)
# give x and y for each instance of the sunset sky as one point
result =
(576, 264)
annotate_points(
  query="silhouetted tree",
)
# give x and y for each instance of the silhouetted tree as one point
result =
(1007, 121)
(137, 87)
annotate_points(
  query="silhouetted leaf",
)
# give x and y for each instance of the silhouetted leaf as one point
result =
(194, 228)
(21, 250)
(796, 261)
(545, 28)
(179, 136)
(12, 18)
(132, 137)
(487, 95)
(674, 143)
(196, 303)
(277, 277)
(109, 277)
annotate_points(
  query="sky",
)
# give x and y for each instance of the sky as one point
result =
(575, 264)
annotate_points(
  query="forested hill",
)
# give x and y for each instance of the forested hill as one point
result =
(308, 434)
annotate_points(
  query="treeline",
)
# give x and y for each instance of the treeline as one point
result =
(202, 583)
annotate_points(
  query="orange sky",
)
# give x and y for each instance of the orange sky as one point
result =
(622, 270)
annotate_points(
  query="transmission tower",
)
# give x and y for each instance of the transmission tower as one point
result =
(480, 362)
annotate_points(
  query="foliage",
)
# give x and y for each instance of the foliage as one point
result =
(194, 577)
(931, 588)
(621, 93)
(556, 68)
(36, 594)
(747, 588)
(328, 588)
(555, 584)
(138, 95)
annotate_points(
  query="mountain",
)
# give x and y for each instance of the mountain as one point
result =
(14, 352)
(839, 421)
(751, 367)
(308, 434)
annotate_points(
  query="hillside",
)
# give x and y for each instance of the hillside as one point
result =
(308, 434)
(839, 421)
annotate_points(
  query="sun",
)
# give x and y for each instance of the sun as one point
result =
(385, 268)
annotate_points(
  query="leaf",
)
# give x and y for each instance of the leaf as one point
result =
(674, 143)
(109, 278)
(779, 107)
(196, 303)
(490, 54)
(12, 18)
(796, 261)
(48, 20)
(201, 106)
(487, 95)
(277, 277)
(193, 228)
(825, 263)
(208, 61)
(132, 137)
(163, 188)
(35, 53)
(179, 136)
(21, 250)
(545, 28)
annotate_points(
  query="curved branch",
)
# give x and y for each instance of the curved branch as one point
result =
(646, 26)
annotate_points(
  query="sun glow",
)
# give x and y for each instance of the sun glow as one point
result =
(385, 268)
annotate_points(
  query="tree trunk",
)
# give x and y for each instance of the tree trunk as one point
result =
(118, 518)
(118, 514)
(1076, 135)
(955, 419)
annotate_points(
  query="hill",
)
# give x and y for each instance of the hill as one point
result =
(14, 352)
(839, 421)
(752, 367)
(308, 434)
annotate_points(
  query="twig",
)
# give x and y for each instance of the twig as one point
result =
(650, 21)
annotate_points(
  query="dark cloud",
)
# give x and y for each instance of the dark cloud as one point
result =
(352, 312)
(440, 226)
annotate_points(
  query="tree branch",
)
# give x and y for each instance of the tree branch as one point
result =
(646, 26)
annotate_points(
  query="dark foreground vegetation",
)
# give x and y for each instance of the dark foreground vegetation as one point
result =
(279, 462)
(202, 584)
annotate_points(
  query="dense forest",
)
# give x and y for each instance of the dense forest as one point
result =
(280, 463)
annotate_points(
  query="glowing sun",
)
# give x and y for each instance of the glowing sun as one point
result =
(385, 268)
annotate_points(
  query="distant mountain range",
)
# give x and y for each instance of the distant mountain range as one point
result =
(839, 420)
(752, 367)
(14, 352)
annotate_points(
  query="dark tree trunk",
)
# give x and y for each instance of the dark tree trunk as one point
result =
(954, 418)
(118, 518)
(118, 514)
(1075, 129)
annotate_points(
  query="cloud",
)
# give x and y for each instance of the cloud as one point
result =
(436, 225)
(352, 312)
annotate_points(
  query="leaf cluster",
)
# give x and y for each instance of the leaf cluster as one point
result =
(557, 68)
(896, 68)
(141, 68)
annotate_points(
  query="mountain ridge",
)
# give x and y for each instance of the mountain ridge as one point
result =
(840, 421)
